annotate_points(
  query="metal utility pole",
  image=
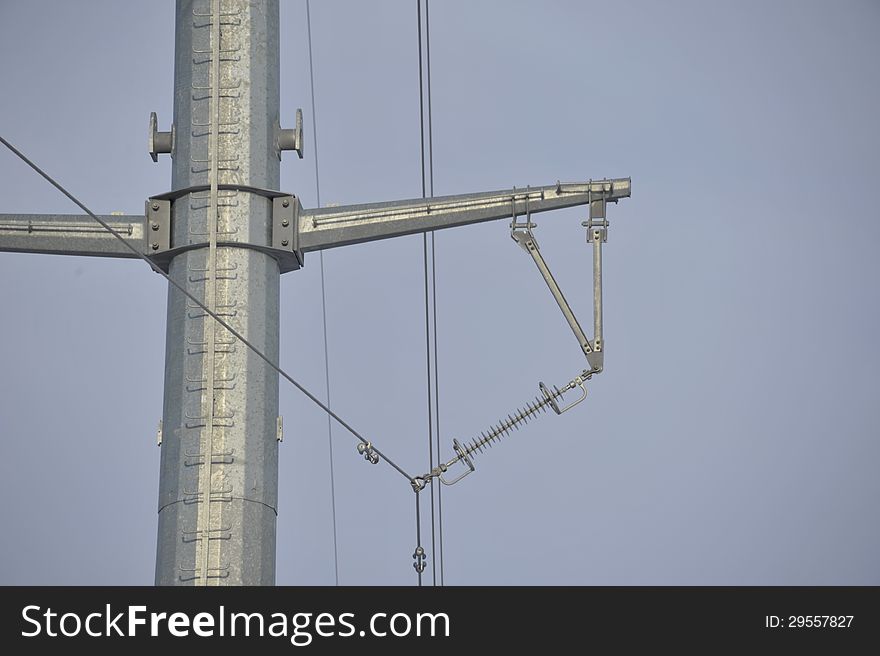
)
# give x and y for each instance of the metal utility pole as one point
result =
(218, 492)
(225, 233)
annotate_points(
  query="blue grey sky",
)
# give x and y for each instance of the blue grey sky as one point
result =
(734, 435)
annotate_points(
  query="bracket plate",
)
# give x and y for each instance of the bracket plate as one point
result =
(157, 225)
(285, 213)
(283, 242)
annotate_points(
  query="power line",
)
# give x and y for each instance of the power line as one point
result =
(202, 306)
(434, 286)
(430, 298)
(323, 295)
(427, 317)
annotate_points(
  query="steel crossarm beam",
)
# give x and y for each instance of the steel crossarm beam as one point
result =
(71, 234)
(330, 227)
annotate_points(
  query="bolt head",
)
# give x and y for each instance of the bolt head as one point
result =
(155, 207)
(285, 223)
(284, 242)
(155, 246)
(154, 225)
(285, 203)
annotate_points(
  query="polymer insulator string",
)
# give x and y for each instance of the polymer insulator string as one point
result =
(503, 428)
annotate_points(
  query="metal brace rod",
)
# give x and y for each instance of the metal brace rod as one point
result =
(597, 236)
(530, 245)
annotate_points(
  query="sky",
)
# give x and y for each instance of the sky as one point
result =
(734, 435)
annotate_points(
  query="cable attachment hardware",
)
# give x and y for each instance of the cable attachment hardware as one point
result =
(520, 230)
(557, 393)
(597, 201)
(419, 483)
(368, 452)
(420, 558)
(461, 455)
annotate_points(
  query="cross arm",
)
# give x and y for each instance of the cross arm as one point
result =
(329, 227)
(71, 234)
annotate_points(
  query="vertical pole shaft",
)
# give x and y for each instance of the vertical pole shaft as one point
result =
(218, 483)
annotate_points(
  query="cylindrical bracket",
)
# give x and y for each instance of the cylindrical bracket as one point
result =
(292, 139)
(159, 142)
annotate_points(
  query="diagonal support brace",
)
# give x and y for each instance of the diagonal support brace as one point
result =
(593, 352)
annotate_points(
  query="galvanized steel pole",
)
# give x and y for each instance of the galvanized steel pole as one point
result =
(219, 472)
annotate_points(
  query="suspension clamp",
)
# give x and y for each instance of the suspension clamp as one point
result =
(368, 452)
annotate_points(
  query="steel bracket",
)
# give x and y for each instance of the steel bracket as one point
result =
(157, 225)
(159, 142)
(284, 240)
(285, 223)
(596, 229)
(291, 139)
(285, 232)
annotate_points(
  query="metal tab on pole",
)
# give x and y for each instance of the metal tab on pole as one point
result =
(157, 226)
(284, 223)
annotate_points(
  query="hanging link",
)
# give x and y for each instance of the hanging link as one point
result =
(420, 559)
